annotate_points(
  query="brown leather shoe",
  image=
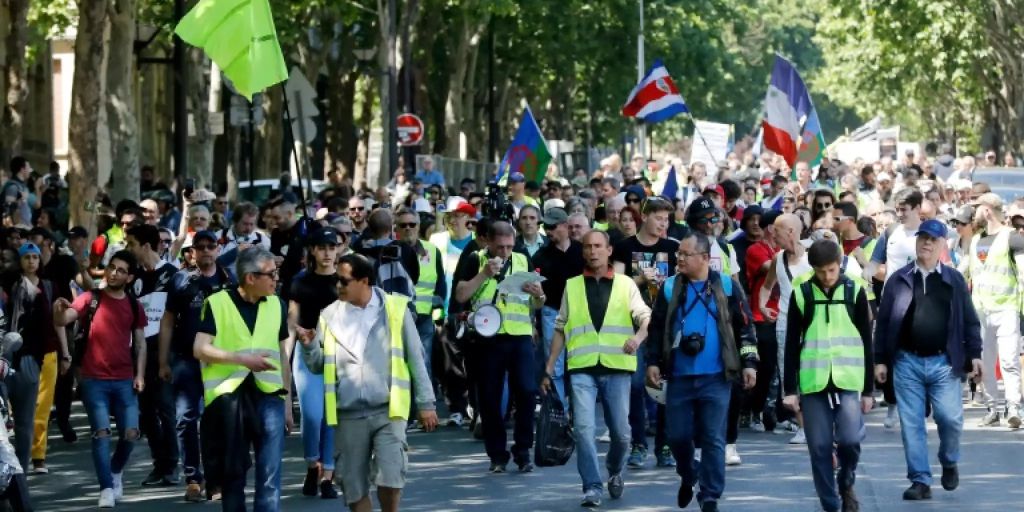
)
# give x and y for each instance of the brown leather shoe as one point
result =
(194, 493)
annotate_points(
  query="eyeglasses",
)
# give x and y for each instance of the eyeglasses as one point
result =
(273, 274)
(407, 225)
(684, 255)
(205, 247)
(118, 271)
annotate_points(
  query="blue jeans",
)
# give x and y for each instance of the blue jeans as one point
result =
(269, 448)
(188, 408)
(425, 328)
(547, 332)
(918, 380)
(103, 398)
(833, 420)
(696, 408)
(613, 389)
(317, 436)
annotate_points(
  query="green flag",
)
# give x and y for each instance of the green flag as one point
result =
(239, 36)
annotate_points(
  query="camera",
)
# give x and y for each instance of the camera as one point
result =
(496, 205)
(390, 253)
(692, 344)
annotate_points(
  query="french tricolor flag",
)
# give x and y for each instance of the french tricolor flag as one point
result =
(656, 98)
(787, 106)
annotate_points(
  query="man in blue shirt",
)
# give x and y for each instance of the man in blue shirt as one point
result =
(428, 175)
(701, 341)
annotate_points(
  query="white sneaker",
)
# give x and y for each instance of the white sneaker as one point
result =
(118, 486)
(892, 418)
(1013, 417)
(106, 499)
(732, 456)
(756, 425)
(786, 427)
(799, 437)
(604, 437)
(455, 420)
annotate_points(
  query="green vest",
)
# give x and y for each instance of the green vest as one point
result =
(400, 396)
(425, 299)
(515, 309)
(994, 281)
(233, 335)
(588, 347)
(832, 347)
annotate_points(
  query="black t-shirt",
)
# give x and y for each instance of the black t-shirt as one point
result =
(920, 333)
(248, 311)
(637, 256)
(469, 267)
(61, 271)
(558, 267)
(313, 292)
(186, 302)
(153, 288)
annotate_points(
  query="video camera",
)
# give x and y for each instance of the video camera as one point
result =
(496, 205)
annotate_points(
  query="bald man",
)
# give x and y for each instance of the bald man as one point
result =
(788, 264)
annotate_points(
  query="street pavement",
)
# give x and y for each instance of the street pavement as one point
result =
(448, 472)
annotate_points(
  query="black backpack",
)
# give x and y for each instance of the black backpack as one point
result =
(85, 323)
(806, 288)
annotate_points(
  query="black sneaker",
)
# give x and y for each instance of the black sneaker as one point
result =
(615, 486)
(309, 483)
(709, 506)
(950, 478)
(154, 477)
(850, 503)
(685, 495)
(497, 467)
(171, 479)
(327, 490)
(917, 491)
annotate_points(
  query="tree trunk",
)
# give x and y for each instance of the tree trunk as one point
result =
(458, 107)
(342, 136)
(200, 141)
(386, 10)
(86, 92)
(15, 80)
(267, 163)
(120, 102)
(368, 93)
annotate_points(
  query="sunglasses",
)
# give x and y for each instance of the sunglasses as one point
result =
(357, 209)
(840, 218)
(407, 225)
(205, 247)
(709, 220)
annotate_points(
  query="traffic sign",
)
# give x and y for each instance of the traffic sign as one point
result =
(410, 130)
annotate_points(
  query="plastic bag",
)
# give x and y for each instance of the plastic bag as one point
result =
(554, 441)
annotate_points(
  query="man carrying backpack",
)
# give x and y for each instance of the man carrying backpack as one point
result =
(112, 355)
(829, 362)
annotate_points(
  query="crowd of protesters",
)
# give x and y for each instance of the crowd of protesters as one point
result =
(752, 295)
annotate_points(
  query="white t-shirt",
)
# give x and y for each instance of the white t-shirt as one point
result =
(900, 249)
(785, 283)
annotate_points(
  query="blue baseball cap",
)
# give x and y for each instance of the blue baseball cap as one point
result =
(28, 248)
(932, 228)
(516, 177)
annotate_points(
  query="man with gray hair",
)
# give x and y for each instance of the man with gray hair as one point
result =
(579, 225)
(241, 345)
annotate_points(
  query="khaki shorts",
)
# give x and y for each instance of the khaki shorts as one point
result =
(371, 449)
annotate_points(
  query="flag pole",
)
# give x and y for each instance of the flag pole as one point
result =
(696, 129)
(294, 151)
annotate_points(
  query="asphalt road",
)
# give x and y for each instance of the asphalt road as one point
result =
(449, 473)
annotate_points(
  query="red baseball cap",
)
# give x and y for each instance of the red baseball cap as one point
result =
(465, 208)
(716, 189)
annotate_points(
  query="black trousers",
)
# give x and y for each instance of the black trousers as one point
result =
(767, 353)
(514, 357)
(157, 416)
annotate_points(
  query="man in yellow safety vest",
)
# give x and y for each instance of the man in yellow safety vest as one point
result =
(369, 353)
(829, 363)
(595, 322)
(241, 345)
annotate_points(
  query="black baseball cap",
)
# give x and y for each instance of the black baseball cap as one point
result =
(204, 235)
(78, 232)
(323, 236)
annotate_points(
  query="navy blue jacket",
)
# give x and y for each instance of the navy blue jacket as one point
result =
(963, 339)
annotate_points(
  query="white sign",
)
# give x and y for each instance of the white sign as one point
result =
(710, 144)
(866, 149)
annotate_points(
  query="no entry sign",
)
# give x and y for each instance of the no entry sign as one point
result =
(410, 130)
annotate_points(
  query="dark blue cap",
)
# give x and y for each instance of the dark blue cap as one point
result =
(516, 177)
(932, 228)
